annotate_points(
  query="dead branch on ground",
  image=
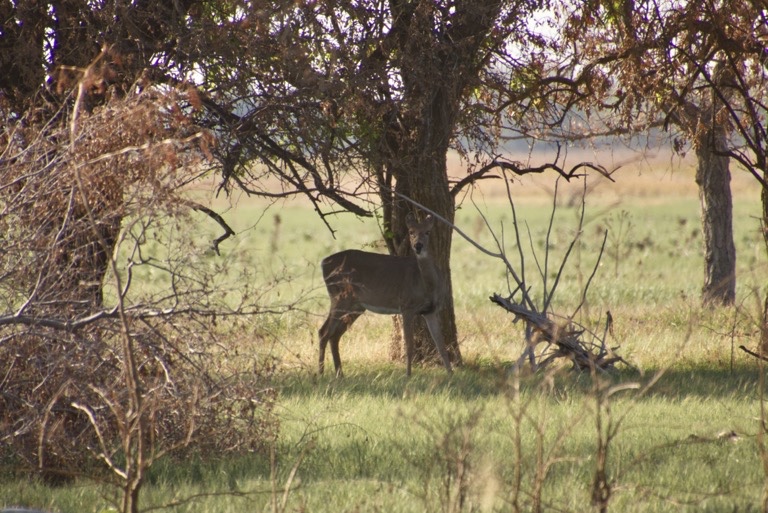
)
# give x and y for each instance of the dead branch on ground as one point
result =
(563, 341)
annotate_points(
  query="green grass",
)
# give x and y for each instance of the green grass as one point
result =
(376, 441)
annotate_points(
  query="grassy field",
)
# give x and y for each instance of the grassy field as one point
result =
(679, 428)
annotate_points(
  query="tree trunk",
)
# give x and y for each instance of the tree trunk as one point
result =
(430, 187)
(438, 62)
(427, 185)
(77, 257)
(764, 325)
(420, 169)
(714, 180)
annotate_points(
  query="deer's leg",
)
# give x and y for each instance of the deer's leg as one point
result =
(408, 320)
(339, 319)
(324, 333)
(345, 322)
(433, 324)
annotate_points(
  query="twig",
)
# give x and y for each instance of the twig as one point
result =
(132, 312)
(228, 232)
(752, 353)
(594, 271)
(447, 222)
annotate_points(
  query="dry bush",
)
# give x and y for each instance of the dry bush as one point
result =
(65, 401)
(96, 371)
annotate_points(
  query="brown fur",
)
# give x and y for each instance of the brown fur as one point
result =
(358, 281)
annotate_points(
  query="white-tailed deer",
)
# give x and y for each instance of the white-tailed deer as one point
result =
(385, 284)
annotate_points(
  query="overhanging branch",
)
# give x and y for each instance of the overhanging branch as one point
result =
(519, 170)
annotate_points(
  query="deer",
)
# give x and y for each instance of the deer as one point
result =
(360, 281)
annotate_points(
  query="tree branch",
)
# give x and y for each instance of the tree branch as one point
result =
(519, 170)
(134, 312)
(228, 232)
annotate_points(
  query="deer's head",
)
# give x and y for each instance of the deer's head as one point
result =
(418, 234)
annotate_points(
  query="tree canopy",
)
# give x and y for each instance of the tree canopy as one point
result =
(696, 69)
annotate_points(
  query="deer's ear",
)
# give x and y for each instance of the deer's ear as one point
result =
(410, 220)
(429, 220)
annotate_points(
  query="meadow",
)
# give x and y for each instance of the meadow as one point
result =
(678, 429)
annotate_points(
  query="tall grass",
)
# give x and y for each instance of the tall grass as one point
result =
(481, 439)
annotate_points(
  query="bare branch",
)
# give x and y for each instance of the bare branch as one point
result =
(228, 232)
(516, 168)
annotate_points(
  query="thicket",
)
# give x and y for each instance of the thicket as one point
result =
(100, 378)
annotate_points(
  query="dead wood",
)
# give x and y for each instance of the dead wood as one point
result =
(567, 340)
(752, 353)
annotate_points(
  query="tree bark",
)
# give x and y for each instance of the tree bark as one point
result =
(75, 273)
(714, 180)
(430, 187)
(764, 324)
(427, 184)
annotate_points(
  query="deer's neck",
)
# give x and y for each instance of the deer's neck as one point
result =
(430, 277)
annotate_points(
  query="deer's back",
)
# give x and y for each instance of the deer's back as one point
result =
(353, 264)
(381, 283)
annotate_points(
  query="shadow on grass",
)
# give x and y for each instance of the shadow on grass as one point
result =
(347, 451)
(486, 380)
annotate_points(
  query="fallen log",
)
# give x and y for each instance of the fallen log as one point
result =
(563, 340)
